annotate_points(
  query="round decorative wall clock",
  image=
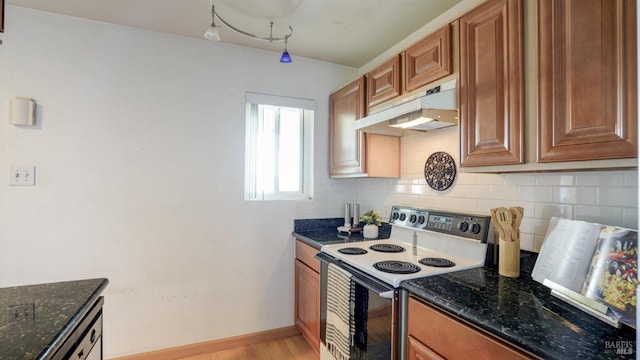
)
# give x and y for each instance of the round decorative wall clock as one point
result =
(440, 171)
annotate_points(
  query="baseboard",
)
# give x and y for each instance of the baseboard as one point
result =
(214, 345)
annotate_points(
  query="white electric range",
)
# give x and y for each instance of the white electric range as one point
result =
(422, 243)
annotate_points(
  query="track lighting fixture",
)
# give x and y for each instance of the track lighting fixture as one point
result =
(212, 34)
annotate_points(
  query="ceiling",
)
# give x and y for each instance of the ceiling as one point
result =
(347, 32)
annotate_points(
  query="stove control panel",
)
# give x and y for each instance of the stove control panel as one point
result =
(470, 226)
(409, 217)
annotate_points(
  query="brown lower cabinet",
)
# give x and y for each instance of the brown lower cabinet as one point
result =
(307, 290)
(436, 335)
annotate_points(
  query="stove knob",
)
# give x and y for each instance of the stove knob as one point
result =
(463, 226)
(413, 218)
(421, 219)
(475, 228)
(403, 217)
(395, 216)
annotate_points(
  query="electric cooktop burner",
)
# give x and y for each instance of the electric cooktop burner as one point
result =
(388, 248)
(353, 251)
(396, 267)
(437, 262)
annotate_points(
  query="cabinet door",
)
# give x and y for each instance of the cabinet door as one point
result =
(419, 351)
(445, 336)
(587, 80)
(491, 88)
(383, 156)
(428, 60)
(346, 145)
(307, 301)
(383, 83)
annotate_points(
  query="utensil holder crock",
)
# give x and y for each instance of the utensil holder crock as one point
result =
(509, 258)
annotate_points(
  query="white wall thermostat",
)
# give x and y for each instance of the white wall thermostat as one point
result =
(22, 111)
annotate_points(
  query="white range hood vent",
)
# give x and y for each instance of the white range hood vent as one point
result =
(431, 109)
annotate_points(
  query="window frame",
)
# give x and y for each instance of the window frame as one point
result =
(253, 101)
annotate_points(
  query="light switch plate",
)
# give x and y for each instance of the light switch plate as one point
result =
(22, 175)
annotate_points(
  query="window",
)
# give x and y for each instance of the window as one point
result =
(278, 148)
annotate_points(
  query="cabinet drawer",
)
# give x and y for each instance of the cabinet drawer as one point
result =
(452, 339)
(305, 253)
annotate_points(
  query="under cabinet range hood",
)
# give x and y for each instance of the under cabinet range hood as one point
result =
(428, 110)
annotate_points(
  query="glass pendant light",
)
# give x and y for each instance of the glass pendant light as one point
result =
(285, 58)
(212, 32)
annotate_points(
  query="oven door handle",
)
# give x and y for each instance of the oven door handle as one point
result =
(382, 289)
(385, 293)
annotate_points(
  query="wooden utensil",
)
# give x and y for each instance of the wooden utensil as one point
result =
(496, 226)
(504, 221)
(516, 219)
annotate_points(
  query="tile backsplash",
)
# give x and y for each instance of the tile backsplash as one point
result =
(607, 197)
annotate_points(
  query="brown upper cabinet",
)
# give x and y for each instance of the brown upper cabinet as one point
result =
(491, 84)
(587, 80)
(424, 62)
(428, 60)
(383, 83)
(352, 153)
(346, 147)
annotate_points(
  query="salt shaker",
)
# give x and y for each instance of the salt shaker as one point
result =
(347, 217)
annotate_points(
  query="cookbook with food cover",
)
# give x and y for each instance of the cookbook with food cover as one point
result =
(613, 272)
(597, 261)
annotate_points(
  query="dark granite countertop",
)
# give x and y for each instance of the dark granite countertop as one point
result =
(522, 312)
(56, 309)
(318, 232)
(519, 311)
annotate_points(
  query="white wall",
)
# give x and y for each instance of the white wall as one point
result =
(139, 153)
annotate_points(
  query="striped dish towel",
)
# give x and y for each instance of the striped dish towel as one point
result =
(340, 303)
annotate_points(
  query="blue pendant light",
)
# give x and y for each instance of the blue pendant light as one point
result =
(285, 58)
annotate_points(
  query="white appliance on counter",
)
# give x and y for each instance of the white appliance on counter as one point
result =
(422, 243)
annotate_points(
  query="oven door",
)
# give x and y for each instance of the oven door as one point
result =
(381, 325)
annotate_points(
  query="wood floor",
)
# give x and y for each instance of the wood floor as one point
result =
(295, 348)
